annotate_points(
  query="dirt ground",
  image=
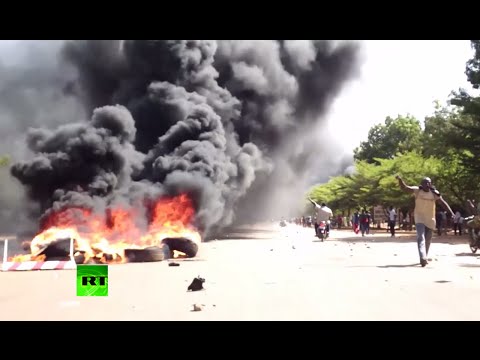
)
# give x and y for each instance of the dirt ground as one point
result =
(265, 272)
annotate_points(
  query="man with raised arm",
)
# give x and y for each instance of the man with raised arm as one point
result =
(426, 197)
(324, 213)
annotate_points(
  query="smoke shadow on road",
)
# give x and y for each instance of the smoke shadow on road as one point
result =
(376, 237)
(467, 254)
(397, 266)
(470, 265)
(244, 234)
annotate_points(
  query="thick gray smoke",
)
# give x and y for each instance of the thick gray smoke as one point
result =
(232, 123)
(32, 94)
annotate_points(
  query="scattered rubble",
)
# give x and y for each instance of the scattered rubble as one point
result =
(197, 284)
(198, 307)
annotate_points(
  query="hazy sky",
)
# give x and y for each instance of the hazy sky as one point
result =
(398, 77)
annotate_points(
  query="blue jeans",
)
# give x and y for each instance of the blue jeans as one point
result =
(424, 238)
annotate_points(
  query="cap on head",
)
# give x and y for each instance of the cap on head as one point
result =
(427, 179)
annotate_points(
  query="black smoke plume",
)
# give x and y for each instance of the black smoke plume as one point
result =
(232, 123)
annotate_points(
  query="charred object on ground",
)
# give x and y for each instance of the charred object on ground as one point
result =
(197, 284)
(164, 251)
(56, 250)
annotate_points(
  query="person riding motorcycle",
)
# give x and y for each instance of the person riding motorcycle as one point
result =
(324, 213)
(473, 226)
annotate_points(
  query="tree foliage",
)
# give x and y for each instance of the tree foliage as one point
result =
(473, 65)
(395, 136)
(468, 125)
(375, 184)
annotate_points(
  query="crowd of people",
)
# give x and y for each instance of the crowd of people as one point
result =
(426, 216)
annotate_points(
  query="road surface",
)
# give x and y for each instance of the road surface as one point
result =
(269, 273)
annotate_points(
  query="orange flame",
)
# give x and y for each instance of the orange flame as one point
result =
(99, 235)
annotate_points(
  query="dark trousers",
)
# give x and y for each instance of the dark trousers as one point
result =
(365, 228)
(391, 225)
(458, 227)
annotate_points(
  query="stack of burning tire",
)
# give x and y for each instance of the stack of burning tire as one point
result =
(164, 251)
(60, 250)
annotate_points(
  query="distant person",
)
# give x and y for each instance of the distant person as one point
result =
(444, 221)
(339, 221)
(439, 220)
(426, 197)
(356, 222)
(363, 219)
(368, 222)
(392, 220)
(457, 223)
(324, 213)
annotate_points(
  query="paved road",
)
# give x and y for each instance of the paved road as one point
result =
(269, 273)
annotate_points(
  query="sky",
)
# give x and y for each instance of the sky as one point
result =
(398, 77)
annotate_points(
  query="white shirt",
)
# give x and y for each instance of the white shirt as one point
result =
(457, 217)
(391, 214)
(323, 213)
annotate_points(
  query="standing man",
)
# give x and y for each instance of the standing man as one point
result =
(425, 200)
(439, 218)
(356, 222)
(369, 221)
(324, 213)
(364, 217)
(392, 220)
(457, 223)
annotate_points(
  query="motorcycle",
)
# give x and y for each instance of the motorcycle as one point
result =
(322, 232)
(473, 225)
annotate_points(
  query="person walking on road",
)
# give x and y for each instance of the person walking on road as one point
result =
(392, 219)
(458, 223)
(365, 219)
(426, 197)
(439, 219)
(355, 222)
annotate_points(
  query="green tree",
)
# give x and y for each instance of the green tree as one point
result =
(385, 141)
(375, 184)
(468, 124)
(473, 65)
(337, 193)
(440, 131)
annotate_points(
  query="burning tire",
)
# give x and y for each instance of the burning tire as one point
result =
(184, 245)
(56, 250)
(150, 254)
